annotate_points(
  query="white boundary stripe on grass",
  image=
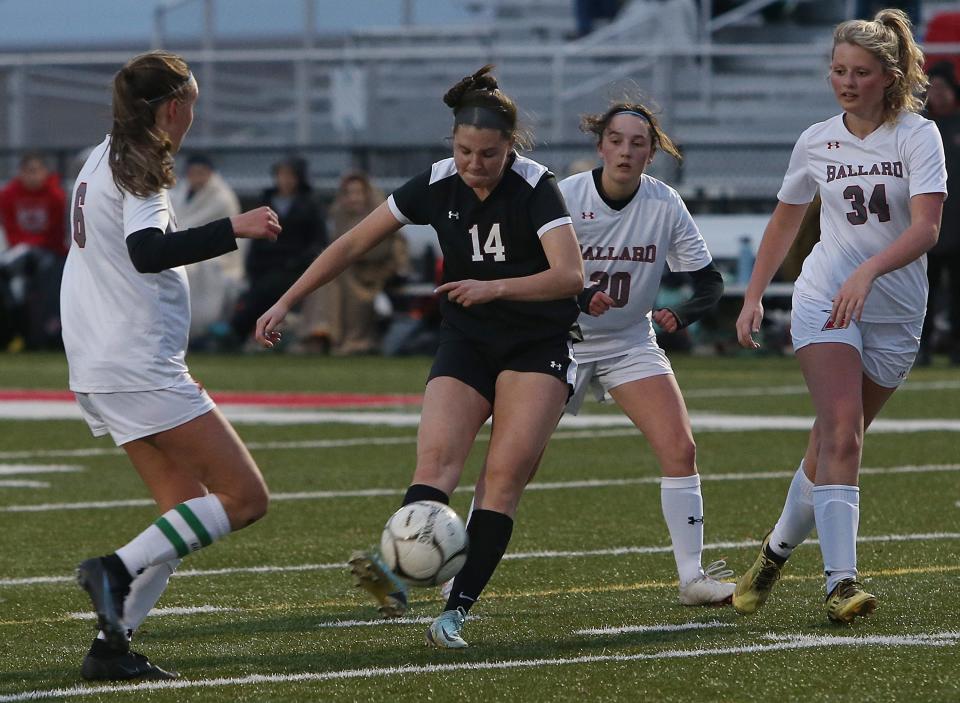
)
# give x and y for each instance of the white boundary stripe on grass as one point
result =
(701, 422)
(800, 389)
(21, 469)
(542, 554)
(652, 628)
(164, 612)
(790, 642)
(22, 483)
(537, 486)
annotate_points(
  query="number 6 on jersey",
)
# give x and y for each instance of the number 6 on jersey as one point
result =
(493, 245)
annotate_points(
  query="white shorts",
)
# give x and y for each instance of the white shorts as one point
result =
(601, 376)
(133, 415)
(887, 349)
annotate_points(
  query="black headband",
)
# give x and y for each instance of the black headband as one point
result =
(482, 117)
(161, 98)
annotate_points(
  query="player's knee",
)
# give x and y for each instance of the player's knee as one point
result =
(252, 503)
(841, 441)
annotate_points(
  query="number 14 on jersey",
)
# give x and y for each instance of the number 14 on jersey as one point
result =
(493, 245)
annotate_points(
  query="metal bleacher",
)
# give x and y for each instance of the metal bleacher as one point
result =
(735, 90)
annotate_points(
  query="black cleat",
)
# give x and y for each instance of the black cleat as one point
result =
(107, 591)
(103, 664)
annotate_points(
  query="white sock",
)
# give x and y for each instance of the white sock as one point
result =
(797, 519)
(838, 515)
(683, 511)
(179, 531)
(145, 591)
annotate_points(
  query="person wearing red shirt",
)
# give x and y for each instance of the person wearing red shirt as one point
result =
(32, 216)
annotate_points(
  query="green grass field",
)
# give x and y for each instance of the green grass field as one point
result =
(584, 607)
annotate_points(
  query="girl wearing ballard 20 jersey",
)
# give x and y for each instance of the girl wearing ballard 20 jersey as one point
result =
(630, 226)
(126, 314)
(858, 305)
(512, 270)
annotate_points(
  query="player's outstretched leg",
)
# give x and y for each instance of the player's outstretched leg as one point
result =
(372, 575)
(848, 600)
(755, 586)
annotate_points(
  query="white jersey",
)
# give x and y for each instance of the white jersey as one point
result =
(122, 330)
(625, 252)
(865, 186)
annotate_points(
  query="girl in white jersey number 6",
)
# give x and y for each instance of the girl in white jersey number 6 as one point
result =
(859, 303)
(126, 314)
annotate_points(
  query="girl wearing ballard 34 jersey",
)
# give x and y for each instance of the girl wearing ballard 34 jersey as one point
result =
(859, 303)
(630, 227)
(512, 269)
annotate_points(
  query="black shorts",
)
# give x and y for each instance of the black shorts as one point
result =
(479, 364)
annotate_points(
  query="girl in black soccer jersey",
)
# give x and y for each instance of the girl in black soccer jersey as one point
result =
(512, 269)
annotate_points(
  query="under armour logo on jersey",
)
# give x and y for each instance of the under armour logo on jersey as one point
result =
(453, 215)
(694, 520)
(556, 365)
(584, 215)
(833, 145)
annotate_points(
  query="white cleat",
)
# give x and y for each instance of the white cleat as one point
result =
(444, 631)
(708, 589)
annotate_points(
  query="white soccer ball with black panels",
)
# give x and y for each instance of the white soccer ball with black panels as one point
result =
(424, 543)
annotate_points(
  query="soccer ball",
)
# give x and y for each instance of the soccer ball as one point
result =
(424, 543)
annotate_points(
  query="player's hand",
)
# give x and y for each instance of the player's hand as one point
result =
(262, 223)
(666, 319)
(748, 324)
(849, 301)
(599, 303)
(469, 292)
(268, 332)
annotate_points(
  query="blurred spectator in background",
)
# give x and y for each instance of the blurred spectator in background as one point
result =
(343, 315)
(272, 267)
(943, 260)
(867, 9)
(589, 11)
(202, 197)
(32, 213)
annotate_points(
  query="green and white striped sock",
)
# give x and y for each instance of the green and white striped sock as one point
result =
(186, 528)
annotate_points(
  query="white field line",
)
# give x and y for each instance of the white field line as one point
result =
(164, 612)
(536, 486)
(540, 554)
(21, 483)
(701, 422)
(800, 389)
(647, 628)
(21, 469)
(789, 642)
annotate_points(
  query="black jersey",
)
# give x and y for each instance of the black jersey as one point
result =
(490, 239)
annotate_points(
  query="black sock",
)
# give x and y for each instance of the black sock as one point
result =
(489, 536)
(772, 555)
(421, 491)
